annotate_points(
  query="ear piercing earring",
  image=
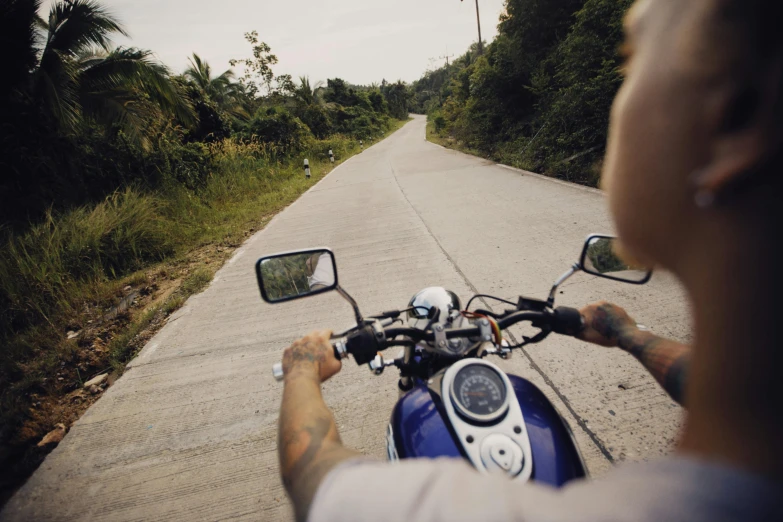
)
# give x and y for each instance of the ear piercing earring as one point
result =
(703, 197)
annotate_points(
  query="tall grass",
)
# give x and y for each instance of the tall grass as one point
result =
(75, 260)
(42, 270)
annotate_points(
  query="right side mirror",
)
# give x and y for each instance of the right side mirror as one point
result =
(599, 259)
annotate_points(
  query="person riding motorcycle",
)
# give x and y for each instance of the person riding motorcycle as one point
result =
(320, 271)
(693, 175)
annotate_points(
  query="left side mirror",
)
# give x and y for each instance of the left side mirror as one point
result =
(600, 259)
(291, 275)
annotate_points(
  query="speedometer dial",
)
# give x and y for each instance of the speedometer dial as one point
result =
(479, 393)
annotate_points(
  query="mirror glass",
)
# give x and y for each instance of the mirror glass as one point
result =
(599, 258)
(287, 276)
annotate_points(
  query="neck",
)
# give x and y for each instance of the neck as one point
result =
(734, 395)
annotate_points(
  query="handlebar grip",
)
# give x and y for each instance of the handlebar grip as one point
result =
(340, 352)
(277, 371)
(567, 321)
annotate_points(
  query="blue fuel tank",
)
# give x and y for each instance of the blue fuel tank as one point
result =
(421, 430)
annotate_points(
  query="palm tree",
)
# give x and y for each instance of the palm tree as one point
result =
(199, 73)
(307, 94)
(127, 87)
(229, 96)
(79, 76)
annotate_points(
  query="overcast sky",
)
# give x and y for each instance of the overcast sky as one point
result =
(361, 41)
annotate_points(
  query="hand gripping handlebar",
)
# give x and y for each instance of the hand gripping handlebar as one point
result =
(340, 352)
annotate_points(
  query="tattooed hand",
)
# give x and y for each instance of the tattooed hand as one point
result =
(606, 324)
(312, 355)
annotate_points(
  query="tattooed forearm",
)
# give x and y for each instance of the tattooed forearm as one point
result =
(309, 445)
(666, 360)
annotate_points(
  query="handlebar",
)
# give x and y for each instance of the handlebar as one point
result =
(562, 320)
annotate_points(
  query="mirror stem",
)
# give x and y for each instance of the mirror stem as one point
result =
(571, 271)
(347, 297)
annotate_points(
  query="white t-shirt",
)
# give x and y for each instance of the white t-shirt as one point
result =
(449, 490)
(323, 273)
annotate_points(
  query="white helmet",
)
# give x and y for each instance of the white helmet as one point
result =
(421, 306)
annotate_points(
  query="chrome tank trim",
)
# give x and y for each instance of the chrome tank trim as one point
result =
(391, 448)
(472, 435)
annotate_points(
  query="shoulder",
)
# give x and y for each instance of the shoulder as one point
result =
(449, 489)
(418, 489)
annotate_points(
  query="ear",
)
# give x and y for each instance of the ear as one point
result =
(746, 132)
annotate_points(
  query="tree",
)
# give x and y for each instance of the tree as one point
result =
(307, 94)
(378, 102)
(279, 127)
(200, 74)
(576, 86)
(216, 92)
(79, 76)
(396, 95)
(310, 107)
(258, 69)
(127, 89)
(539, 97)
(338, 92)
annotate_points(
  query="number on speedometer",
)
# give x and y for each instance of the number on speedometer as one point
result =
(479, 391)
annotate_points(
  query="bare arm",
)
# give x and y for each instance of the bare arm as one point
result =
(308, 443)
(609, 325)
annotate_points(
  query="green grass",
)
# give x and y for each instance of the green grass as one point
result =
(74, 265)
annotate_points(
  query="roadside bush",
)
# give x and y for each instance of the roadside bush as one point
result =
(278, 126)
(359, 123)
(439, 121)
(189, 164)
(317, 119)
(213, 124)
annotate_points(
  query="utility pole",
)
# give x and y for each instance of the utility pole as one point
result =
(478, 21)
(447, 58)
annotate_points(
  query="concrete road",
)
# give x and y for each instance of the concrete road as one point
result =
(188, 433)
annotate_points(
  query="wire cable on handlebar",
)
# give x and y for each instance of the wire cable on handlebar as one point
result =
(495, 328)
(487, 296)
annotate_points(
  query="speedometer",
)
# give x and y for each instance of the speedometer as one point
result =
(479, 393)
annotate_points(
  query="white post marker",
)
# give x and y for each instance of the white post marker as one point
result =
(307, 168)
(361, 144)
(331, 156)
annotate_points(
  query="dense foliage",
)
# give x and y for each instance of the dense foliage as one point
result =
(539, 96)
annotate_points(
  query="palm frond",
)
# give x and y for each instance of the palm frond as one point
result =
(56, 89)
(75, 24)
(199, 73)
(123, 83)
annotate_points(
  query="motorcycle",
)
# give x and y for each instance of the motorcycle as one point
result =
(453, 402)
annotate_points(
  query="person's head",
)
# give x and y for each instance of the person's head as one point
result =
(311, 263)
(694, 147)
(694, 172)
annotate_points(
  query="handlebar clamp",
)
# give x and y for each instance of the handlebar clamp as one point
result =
(365, 343)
